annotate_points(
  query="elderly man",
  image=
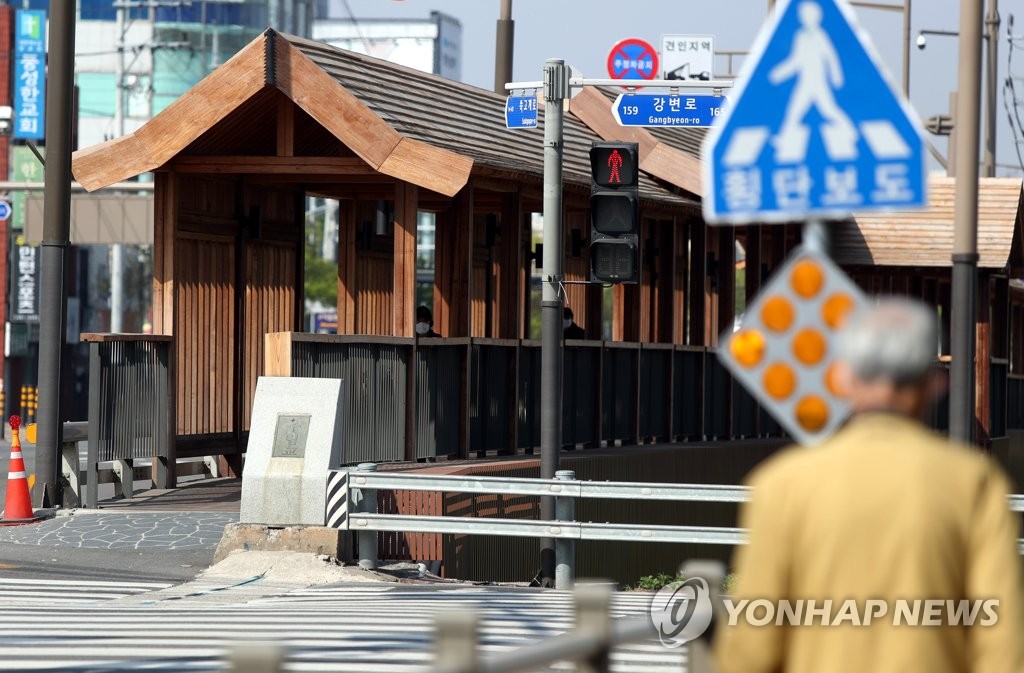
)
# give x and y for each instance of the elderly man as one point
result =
(884, 518)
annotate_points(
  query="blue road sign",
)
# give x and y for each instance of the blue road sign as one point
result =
(814, 129)
(5, 210)
(521, 112)
(656, 109)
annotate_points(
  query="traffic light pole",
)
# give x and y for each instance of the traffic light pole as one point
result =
(556, 90)
(556, 86)
(56, 234)
(965, 233)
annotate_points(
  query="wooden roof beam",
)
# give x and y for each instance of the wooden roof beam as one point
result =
(177, 126)
(283, 165)
(361, 130)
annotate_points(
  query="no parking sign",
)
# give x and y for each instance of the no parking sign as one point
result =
(633, 58)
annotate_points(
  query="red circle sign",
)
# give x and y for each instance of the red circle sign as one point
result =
(633, 58)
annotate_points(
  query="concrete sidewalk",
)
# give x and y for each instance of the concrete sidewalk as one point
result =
(202, 495)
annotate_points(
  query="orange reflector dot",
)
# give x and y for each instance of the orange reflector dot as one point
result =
(747, 347)
(812, 413)
(835, 309)
(777, 314)
(809, 346)
(779, 381)
(833, 380)
(806, 278)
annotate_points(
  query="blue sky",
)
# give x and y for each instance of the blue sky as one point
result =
(583, 31)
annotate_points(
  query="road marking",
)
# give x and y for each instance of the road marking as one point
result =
(341, 628)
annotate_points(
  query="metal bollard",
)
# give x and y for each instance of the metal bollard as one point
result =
(565, 549)
(455, 647)
(593, 620)
(256, 658)
(365, 502)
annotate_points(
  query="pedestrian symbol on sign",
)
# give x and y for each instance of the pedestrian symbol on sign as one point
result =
(814, 129)
(815, 66)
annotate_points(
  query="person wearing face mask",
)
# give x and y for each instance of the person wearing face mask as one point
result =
(571, 330)
(425, 323)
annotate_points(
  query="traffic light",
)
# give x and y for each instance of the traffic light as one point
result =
(614, 213)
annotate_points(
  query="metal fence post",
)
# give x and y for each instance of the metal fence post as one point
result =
(256, 658)
(365, 502)
(565, 549)
(593, 619)
(455, 642)
(92, 450)
(713, 572)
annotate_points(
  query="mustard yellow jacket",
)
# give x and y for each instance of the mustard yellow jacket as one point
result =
(885, 511)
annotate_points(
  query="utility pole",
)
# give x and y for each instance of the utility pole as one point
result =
(991, 83)
(503, 47)
(117, 249)
(906, 49)
(965, 235)
(60, 77)
(556, 90)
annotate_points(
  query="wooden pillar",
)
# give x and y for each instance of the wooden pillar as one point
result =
(726, 278)
(697, 298)
(510, 267)
(164, 224)
(404, 286)
(347, 235)
(680, 269)
(663, 282)
(459, 299)
(983, 357)
(753, 264)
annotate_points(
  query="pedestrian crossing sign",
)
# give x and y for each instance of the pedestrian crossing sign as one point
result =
(815, 129)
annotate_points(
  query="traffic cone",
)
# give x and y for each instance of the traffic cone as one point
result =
(18, 507)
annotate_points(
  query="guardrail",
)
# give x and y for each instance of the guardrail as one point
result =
(352, 503)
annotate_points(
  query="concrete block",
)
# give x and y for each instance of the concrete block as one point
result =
(294, 439)
(308, 539)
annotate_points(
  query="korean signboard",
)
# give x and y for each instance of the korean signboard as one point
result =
(688, 56)
(24, 285)
(29, 73)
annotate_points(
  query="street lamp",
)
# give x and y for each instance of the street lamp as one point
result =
(991, 34)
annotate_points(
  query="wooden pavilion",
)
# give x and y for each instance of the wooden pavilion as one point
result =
(284, 118)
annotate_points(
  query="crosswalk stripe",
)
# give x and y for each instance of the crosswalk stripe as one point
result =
(16, 589)
(341, 628)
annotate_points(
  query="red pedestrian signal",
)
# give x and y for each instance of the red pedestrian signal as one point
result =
(614, 165)
(614, 213)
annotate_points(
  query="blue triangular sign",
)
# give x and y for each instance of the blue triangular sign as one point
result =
(815, 129)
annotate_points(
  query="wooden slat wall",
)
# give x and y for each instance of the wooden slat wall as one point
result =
(404, 266)
(509, 272)
(269, 307)
(374, 279)
(577, 267)
(680, 270)
(204, 331)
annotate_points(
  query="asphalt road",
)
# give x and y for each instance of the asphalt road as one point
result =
(61, 562)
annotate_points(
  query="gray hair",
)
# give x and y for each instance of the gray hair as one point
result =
(895, 340)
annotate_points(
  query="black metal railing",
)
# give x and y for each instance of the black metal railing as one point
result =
(131, 402)
(481, 397)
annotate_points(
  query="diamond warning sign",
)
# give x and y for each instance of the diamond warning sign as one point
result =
(784, 349)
